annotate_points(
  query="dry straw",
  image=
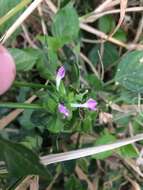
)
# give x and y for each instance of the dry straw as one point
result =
(75, 154)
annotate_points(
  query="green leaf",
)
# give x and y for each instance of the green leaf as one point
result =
(128, 151)
(51, 105)
(74, 73)
(53, 59)
(55, 125)
(105, 138)
(47, 65)
(23, 91)
(73, 183)
(106, 23)
(25, 119)
(40, 119)
(49, 99)
(62, 90)
(127, 97)
(121, 119)
(110, 54)
(25, 59)
(87, 124)
(68, 167)
(64, 2)
(32, 142)
(66, 24)
(21, 161)
(55, 43)
(121, 35)
(72, 62)
(129, 72)
(94, 82)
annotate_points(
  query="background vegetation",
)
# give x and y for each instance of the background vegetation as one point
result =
(99, 44)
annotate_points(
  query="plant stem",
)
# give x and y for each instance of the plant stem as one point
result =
(29, 84)
(109, 82)
(20, 105)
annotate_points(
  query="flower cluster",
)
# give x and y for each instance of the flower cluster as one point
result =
(90, 103)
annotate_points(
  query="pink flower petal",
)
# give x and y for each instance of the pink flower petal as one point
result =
(60, 75)
(7, 70)
(91, 104)
(61, 72)
(62, 109)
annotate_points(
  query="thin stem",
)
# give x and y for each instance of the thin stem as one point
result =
(109, 82)
(76, 105)
(102, 35)
(27, 36)
(92, 17)
(102, 6)
(139, 30)
(51, 6)
(29, 84)
(20, 105)
(90, 64)
(43, 24)
(12, 115)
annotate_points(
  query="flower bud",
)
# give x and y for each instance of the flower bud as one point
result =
(60, 76)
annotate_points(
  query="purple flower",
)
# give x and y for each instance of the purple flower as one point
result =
(60, 75)
(62, 109)
(90, 104)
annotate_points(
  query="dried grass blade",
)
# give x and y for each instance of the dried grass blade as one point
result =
(75, 154)
(20, 20)
(103, 6)
(123, 6)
